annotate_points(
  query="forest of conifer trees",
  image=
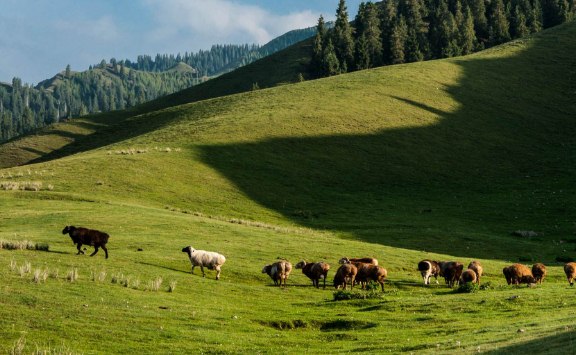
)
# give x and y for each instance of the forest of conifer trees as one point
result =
(403, 31)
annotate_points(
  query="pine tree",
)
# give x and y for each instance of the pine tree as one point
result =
(498, 25)
(467, 35)
(387, 23)
(478, 9)
(413, 12)
(518, 26)
(330, 61)
(362, 55)
(368, 31)
(534, 17)
(342, 38)
(398, 41)
(318, 48)
(68, 71)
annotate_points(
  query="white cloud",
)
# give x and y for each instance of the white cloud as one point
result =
(222, 20)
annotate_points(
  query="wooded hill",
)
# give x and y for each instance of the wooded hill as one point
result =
(119, 84)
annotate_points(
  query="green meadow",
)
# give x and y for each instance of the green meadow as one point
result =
(441, 159)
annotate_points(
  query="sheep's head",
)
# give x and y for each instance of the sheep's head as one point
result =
(68, 229)
(344, 260)
(300, 264)
(266, 269)
(187, 249)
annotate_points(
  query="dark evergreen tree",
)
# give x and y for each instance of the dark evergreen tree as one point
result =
(518, 25)
(331, 62)
(342, 37)
(498, 24)
(398, 41)
(388, 15)
(318, 48)
(466, 34)
(369, 33)
(478, 9)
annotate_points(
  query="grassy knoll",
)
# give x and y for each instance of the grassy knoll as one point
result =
(429, 160)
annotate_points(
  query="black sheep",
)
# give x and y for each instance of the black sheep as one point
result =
(87, 236)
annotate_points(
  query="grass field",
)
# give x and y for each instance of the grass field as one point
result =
(442, 160)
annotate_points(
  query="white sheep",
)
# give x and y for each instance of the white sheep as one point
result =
(210, 259)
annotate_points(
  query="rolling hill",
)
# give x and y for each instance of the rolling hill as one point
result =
(439, 159)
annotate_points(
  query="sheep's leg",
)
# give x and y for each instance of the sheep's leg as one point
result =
(382, 284)
(95, 250)
(193, 266)
(217, 268)
(202, 269)
(105, 250)
(79, 246)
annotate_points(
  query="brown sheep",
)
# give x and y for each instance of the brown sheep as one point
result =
(87, 236)
(345, 275)
(346, 260)
(429, 268)
(539, 272)
(468, 275)
(570, 271)
(451, 270)
(371, 272)
(477, 268)
(314, 271)
(278, 271)
(517, 274)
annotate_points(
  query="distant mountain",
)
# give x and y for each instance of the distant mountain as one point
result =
(119, 84)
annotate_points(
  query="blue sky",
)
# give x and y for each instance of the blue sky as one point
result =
(38, 38)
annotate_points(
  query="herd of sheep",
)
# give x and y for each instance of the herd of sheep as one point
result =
(352, 271)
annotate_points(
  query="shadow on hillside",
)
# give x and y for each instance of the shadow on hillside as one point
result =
(425, 188)
(563, 343)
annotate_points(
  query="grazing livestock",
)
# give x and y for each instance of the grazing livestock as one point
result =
(518, 274)
(203, 258)
(570, 271)
(539, 272)
(346, 260)
(278, 271)
(477, 268)
(314, 271)
(429, 268)
(87, 236)
(345, 275)
(370, 272)
(467, 276)
(451, 270)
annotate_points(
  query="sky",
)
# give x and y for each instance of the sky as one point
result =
(39, 38)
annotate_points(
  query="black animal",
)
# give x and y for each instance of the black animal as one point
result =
(87, 236)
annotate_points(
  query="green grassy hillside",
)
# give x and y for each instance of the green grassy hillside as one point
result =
(440, 159)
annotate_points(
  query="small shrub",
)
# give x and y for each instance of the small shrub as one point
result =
(468, 287)
(101, 276)
(13, 265)
(55, 273)
(136, 284)
(40, 275)
(486, 286)
(343, 295)
(25, 269)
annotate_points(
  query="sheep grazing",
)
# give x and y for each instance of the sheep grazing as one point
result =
(468, 275)
(346, 260)
(278, 272)
(345, 275)
(451, 270)
(518, 274)
(203, 258)
(87, 236)
(539, 272)
(370, 272)
(570, 271)
(477, 268)
(314, 271)
(429, 268)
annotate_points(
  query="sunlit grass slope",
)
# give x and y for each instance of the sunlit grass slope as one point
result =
(440, 159)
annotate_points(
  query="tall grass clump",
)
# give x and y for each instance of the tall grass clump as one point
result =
(13, 265)
(72, 275)
(23, 245)
(18, 347)
(172, 286)
(25, 269)
(40, 275)
(154, 285)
